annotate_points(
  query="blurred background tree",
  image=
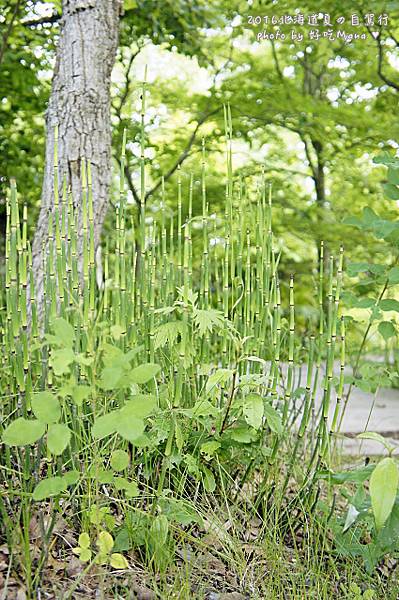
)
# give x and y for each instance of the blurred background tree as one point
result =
(311, 113)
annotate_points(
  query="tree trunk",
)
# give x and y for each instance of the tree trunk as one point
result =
(80, 105)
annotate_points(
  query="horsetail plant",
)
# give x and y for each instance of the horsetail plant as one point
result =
(159, 375)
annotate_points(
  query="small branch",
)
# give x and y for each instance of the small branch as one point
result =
(129, 180)
(233, 389)
(380, 59)
(8, 30)
(54, 18)
(185, 152)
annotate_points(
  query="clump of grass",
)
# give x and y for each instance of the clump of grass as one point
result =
(170, 393)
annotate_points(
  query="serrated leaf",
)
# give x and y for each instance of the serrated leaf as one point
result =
(144, 373)
(273, 419)
(80, 393)
(61, 359)
(64, 332)
(47, 488)
(119, 460)
(206, 320)
(219, 377)
(23, 432)
(241, 434)
(253, 409)
(46, 407)
(118, 561)
(383, 488)
(58, 437)
(167, 333)
(209, 448)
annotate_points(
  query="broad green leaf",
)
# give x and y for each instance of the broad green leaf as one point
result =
(386, 159)
(387, 330)
(356, 268)
(58, 437)
(383, 488)
(393, 275)
(202, 408)
(241, 434)
(80, 393)
(103, 475)
(82, 359)
(358, 475)
(110, 378)
(116, 331)
(84, 554)
(53, 486)
(64, 332)
(129, 487)
(84, 540)
(122, 540)
(106, 424)
(351, 517)
(117, 561)
(144, 373)
(391, 191)
(119, 460)
(71, 477)
(120, 483)
(140, 406)
(208, 479)
(219, 377)
(61, 359)
(253, 410)
(130, 428)
(389, 304)
(46, 407)
(209, 448)
(132, 490)
(159, 529)
(23, 432)
(388, 536)
(179, 511)
(105, 542)
(376, 437)
(273, 419)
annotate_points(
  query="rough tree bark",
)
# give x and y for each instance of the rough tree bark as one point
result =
(80, 105)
